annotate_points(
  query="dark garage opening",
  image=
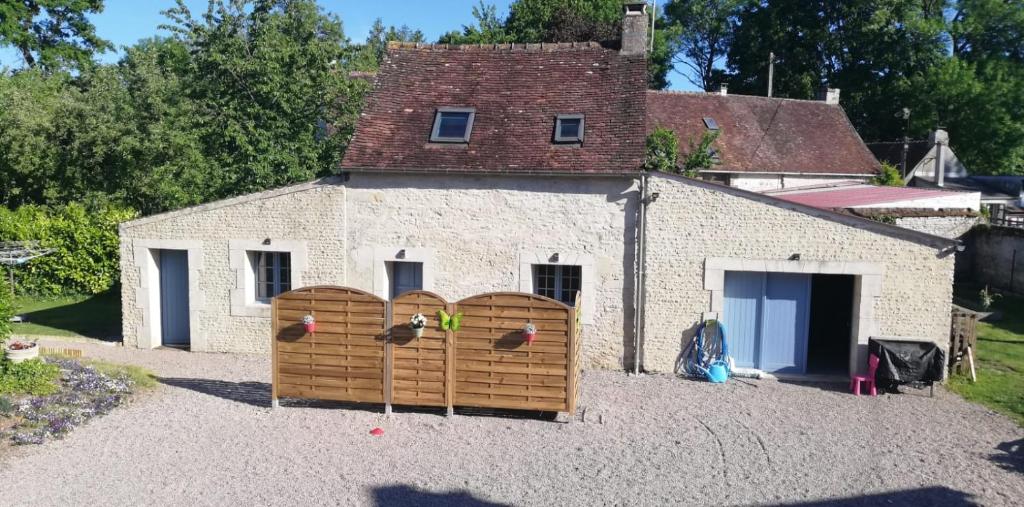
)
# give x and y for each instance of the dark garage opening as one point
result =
(828, 338)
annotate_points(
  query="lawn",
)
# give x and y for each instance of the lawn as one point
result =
(1000, 362)
(97, 316)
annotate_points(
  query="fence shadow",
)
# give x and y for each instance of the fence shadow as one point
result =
(406, 495)
(256, 394)
(937, 495)
(1012, 456)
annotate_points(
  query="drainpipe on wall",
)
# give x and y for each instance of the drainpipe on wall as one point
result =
(640, 301)
(638, 284)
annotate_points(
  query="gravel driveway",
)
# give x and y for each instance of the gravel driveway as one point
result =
(208, 437)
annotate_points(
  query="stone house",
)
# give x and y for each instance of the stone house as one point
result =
(517, 167)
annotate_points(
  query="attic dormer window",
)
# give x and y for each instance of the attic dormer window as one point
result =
(452, 125)
(569, 128)
(710, 123)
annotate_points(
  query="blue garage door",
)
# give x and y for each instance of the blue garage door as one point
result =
(766, 319)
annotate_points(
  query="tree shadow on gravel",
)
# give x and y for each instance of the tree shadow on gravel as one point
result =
(256, 394)
(937, 495)
(407, 495)
(1012, 456)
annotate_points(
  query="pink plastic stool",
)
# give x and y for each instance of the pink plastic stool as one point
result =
(868, 379)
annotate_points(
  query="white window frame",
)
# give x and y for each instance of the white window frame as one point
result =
(243, 295)
(588, 274)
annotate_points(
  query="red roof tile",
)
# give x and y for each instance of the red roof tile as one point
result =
(859, 195)
(517, 90)
(761, 134)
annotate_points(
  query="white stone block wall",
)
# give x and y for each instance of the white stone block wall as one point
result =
(691, 222)
(480, 234)
(948, 227)
(765, 182)
(474, 234)
(313, 215)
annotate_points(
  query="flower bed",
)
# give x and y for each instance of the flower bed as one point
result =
(83, 392)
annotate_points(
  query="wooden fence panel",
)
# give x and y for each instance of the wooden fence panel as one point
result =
(963, 335)
(419, 366)
(343, 359)
(496, 368)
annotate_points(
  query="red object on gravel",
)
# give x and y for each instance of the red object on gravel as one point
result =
(377, 432)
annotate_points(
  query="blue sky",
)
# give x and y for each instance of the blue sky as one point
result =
(124, 22)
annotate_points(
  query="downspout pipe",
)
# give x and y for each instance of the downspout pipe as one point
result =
(641, 276)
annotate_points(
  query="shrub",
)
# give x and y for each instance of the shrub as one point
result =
(34, 376)
(662, 151)
(84, 241)
(6, 307)
(888, 176)
(701, 154)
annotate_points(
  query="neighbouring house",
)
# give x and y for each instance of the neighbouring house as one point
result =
(517, 167)
(1001, 196)
(936, 211)
(765, 143)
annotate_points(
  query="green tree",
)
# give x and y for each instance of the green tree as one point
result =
(699, 33)
(870, 49)
(52, 34)
(662, 151)
(272, 100)
(379, 37)
(701, 154)
(489, 28)
(988, 30)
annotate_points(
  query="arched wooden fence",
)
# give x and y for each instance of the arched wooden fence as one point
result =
(363, 350)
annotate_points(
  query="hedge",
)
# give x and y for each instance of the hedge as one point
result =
(6, 308)
(84, 242)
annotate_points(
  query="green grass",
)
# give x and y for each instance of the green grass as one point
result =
(999, 361)
(97, 316)
(142, 377)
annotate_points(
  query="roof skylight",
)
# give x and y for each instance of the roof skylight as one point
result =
(452, 125)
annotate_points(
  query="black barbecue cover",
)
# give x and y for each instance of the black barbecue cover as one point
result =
(907, 361)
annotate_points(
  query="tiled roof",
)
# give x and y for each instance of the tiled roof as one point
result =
(761, 134)
(517, 90)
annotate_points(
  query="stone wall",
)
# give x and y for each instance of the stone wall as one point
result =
(474, 235)
(952, 227)
(478, 234)
(309, 213)
(694, 221)
(994, 256)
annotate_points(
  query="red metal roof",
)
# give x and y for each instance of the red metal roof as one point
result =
(859, 195)
(517, 91)
(761, 134)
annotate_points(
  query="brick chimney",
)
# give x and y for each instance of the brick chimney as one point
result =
(829, 95)
(634, 29)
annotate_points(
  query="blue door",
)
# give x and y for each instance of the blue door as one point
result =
(174, 326)
(742, 315)
(766, 318)
(784, 329)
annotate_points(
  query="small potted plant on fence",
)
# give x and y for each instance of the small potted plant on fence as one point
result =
(418, 323)
(21, 350)
(530, 333)
(310, 323)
